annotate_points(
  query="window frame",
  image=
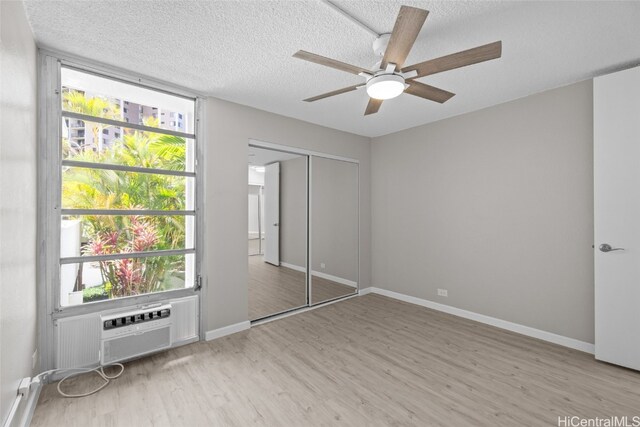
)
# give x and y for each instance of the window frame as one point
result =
(50, 162)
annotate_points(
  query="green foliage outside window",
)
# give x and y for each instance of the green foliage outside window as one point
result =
(87, 188)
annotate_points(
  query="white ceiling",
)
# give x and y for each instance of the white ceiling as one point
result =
(241, 50)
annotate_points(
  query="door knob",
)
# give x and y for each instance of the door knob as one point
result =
(605, 247)
(275, 224)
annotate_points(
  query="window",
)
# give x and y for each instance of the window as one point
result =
(127, 217)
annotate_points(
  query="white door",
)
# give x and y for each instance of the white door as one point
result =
(617, 217)
(272, 213)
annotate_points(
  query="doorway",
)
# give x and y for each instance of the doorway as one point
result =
(616, 213)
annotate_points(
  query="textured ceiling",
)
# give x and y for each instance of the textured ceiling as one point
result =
(241, 50)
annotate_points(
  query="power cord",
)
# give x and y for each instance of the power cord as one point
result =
(99, 370)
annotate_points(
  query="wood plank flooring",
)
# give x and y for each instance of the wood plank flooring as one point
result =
(364, 361)
(275, 289)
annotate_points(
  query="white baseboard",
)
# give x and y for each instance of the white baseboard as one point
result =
(30, 409)
(321, 275)
(22, 409)
(365, 291)
(334, 279)
(227, 330)
(293, 267)
(499, 323)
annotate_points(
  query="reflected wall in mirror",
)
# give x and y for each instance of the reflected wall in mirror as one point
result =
(256, 216)
(334, 229)
(277, 232)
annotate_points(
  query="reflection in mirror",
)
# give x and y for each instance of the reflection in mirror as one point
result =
(256, 217)
(277, 232)
(334, 229)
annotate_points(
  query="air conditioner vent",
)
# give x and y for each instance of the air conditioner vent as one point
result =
(133, 333)
(126, 319)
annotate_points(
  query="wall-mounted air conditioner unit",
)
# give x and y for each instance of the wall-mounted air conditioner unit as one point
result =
(134, 333)
(85, 341)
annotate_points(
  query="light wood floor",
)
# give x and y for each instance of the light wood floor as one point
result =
(364, 361)
(275, 289)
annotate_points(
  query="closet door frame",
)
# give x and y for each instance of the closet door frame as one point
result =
(310, 154)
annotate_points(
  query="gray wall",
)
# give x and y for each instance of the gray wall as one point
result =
(497, 207)
(17, 201)
(229, 128)
(254, 217)
(293, 211)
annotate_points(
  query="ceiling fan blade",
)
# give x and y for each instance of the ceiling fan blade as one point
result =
(373, 106)
(457, 60)
(404, 34)
(335, 92)
(338, 65)
(428, 92)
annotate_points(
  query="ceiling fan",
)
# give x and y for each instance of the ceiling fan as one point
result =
(390, 78)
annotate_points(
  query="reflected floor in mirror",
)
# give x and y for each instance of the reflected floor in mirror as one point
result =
(254, 246)
(325, 290)
(276, 289)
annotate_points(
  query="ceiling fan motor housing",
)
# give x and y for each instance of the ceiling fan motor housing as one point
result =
(380, 44)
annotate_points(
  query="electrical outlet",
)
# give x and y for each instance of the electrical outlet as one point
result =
(34, 359)
(322, 265)
(23, 388)
(443, 293)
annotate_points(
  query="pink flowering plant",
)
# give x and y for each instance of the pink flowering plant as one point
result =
(128, 276)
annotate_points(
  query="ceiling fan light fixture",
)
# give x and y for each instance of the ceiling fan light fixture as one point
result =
(385, 86)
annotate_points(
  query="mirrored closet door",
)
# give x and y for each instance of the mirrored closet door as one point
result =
(334, 229)
(277, 239)
(301, 207)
